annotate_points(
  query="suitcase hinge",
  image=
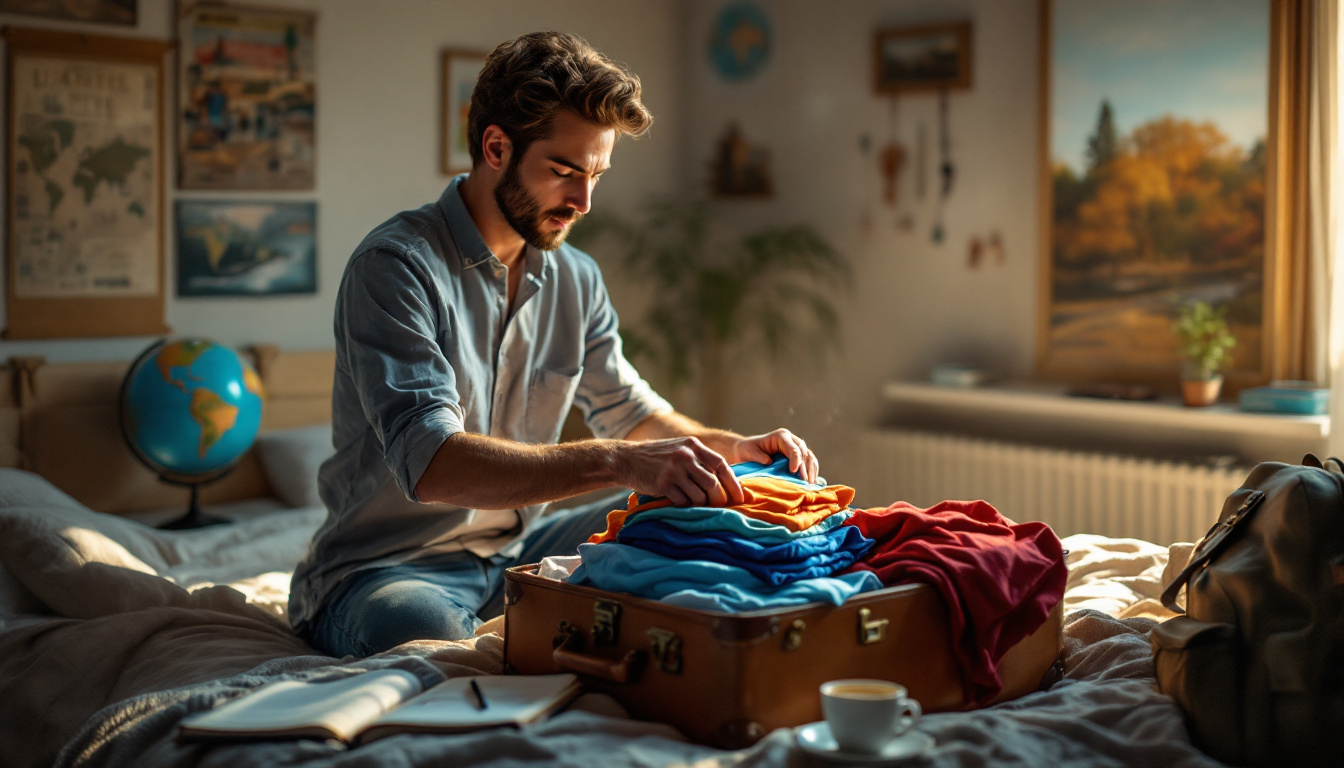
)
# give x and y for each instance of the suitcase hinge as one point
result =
(606, 622)
(666, 650)
(871, 630)
(793, 637)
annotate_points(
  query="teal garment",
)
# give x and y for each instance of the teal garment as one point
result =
(707, 519)
(778, 468)
(705, 585)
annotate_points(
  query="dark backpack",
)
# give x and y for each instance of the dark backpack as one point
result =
(1257, 661)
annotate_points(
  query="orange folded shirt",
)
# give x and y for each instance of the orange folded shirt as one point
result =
(768, 499)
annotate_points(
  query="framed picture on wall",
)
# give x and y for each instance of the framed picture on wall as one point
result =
(247, 102)
(926, 58)
(242, 248)
(104, 11)
(459, 72)
(85, 159)
(1158, 140)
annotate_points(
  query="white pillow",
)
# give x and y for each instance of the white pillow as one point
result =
(290, 458)
(77, 562)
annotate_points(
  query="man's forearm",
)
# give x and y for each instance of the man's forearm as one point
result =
(664, 425)
(479, 472)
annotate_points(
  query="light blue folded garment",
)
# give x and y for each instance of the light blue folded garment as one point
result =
(705, 585)
(778, 468)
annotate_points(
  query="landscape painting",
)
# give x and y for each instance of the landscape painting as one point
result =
(246, 98)
(232, 248)
(1158, 124)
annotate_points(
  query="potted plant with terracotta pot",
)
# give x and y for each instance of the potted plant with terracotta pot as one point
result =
(1206, 346)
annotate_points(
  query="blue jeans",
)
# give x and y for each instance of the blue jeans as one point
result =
(445, 597)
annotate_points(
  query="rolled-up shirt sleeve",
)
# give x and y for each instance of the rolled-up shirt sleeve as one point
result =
(612, 396)
(407, 388)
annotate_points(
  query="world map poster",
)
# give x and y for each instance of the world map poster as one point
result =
(84, 164)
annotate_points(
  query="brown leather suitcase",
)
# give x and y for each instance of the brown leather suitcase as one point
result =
(727, 679)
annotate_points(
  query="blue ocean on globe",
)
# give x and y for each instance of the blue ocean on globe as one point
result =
(191, 408)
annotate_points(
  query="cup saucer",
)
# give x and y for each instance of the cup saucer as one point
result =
(816, 738)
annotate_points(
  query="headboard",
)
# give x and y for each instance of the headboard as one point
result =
(60, 421)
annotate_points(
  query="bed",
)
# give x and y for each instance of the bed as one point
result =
(112, 631)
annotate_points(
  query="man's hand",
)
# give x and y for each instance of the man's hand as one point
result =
(680, 468)
(762, 448)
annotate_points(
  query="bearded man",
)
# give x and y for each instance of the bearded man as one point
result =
(465, 331)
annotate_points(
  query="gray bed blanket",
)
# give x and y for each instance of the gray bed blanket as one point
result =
(1105, 712)
(111, 633)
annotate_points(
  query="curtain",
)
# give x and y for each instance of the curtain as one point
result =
(1324, 198)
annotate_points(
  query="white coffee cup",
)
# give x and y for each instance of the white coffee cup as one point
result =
(865, 715)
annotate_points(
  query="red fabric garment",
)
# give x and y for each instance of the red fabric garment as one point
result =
(1000, 580)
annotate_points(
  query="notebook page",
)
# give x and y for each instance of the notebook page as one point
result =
(510, 700)
(343, 707)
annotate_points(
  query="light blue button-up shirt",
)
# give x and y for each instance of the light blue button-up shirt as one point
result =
(426, 346)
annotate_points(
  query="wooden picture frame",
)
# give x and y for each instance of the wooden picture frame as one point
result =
(458, 71)
(125, 12)
(246, 98)
(933, 57)
(85, 192)
(1132, 341)
(246, 247)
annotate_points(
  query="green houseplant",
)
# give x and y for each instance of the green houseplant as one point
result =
(1206, 345)
(713, 298)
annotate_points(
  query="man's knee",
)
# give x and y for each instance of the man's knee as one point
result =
(400, 613)
(390, 615)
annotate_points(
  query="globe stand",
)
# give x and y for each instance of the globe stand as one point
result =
(194, 518)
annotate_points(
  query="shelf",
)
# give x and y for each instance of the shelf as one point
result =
(1053, 402)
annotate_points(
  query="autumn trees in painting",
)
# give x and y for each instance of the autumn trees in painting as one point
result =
(1171, 211)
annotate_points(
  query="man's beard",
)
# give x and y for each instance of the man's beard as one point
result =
(524, 213)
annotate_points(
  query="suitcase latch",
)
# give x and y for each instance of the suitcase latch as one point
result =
(871, 630)
(793, 637)
(666, 650)
(606, 622)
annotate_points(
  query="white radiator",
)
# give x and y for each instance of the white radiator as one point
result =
(1072, 491)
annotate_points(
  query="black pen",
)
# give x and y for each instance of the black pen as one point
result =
(480, 697)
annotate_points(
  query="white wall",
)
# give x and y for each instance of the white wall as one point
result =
(378, 134)
(915, 303)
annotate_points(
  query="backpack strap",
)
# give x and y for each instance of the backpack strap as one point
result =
(1212, 545)
(1332, 464)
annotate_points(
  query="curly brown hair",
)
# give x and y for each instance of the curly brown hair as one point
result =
(528, 80)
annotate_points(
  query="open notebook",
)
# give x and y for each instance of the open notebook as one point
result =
(382, 703)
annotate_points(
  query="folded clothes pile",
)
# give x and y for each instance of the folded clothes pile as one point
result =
(791, 542)
(781, 546)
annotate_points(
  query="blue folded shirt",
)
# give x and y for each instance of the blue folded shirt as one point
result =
(703, 584)
(779, 468)
(772, 562)
(705, 519)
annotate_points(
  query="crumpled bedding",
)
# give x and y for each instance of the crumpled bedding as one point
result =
(108, 688)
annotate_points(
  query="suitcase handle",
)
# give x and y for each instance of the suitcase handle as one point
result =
(569, 657)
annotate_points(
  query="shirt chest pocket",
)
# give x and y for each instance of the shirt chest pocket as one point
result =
(550, 394)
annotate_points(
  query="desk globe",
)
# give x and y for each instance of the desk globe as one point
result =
(190, 409)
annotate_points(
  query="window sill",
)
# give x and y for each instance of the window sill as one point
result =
(1162, 426)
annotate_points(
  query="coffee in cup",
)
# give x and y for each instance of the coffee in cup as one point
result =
(865, 715)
